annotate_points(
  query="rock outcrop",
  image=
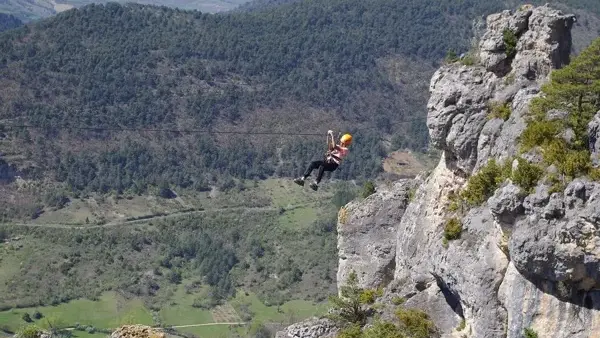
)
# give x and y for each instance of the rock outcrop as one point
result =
(310, 328)
(559, 239)
(522, 260)
(537, 305)
(544, 42)
(469, 269)
(137, 331)
(461, 95)
(594, 141)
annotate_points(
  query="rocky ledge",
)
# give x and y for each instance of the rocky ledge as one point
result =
(137, 331)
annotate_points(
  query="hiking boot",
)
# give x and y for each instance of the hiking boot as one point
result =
(299, 181)
(314, 186)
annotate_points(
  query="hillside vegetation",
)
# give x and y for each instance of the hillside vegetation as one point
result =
(343, 65)
(274, 247)
(272, 229)
(573, 90)
(144, 260)
(170, 69)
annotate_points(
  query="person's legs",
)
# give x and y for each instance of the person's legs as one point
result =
(327, 166)
(312, 166)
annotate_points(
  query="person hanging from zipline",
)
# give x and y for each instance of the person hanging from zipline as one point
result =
(333, 158)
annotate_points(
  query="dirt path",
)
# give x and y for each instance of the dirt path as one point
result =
(146, 220)
(207, 324)
(181, 326)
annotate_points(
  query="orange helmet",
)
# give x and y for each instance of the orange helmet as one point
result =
(347, 139)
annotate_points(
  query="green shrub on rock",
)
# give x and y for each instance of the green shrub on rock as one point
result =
(452, 229)
(527, 175)
(530, 333)
(499, 110)
(416, 322)
(483, 184)
(510, 42)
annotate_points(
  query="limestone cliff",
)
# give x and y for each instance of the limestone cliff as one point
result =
(522, 260)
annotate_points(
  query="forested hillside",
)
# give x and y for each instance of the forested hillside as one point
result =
(218, 250)
(482, 6)
(347, 65)
(8, 22)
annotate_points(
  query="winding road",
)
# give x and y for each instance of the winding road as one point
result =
(143, 220)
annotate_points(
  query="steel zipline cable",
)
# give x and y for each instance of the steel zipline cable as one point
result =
(191, 131)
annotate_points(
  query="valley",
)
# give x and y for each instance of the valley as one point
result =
(278, 207)
(111, 214)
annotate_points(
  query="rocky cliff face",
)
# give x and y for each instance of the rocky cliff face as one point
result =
(310, 328)
(522, 260)
(367, 234)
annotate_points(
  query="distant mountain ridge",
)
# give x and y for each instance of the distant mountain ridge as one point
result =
(30, 10)
(9, 22)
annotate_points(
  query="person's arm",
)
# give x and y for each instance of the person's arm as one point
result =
(330, 140)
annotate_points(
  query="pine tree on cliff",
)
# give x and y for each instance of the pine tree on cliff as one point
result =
(352, 307)
(574, 90)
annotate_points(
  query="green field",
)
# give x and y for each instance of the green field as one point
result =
(216, 331)
(112, 310)
(181, 312)
(288, 312)
(83, 334)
